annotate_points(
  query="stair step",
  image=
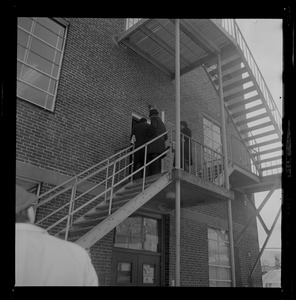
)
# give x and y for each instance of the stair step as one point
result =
(139, 182)
(267, 151)
(75, 232)
(252, 119)
(247, 110)
(271, 167)
(257, 136)
(129, 195)
(269, 159)
(236, 61)
(256, 127)
(243, 102)
(129, 190)
(264, 143)
(231, 75)
(88, 222)
(236, 84)
(240, 93)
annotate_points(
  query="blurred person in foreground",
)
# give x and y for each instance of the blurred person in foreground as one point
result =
(42, 259)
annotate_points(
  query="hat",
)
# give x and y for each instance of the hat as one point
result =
(153, 111)
(23, 199)
(184, 123)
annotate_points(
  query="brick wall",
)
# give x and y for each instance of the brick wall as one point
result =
(101, 84)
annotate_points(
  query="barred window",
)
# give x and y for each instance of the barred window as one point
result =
(39, 57)
(219, 260)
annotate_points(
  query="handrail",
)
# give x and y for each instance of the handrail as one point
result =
(209, 166)
(256, 171)
(232, 28)
(83, 172)
(106, 190)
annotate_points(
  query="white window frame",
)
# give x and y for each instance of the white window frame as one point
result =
(64, 24)
(213, 122)
(219, 265)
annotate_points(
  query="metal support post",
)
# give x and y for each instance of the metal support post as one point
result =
(266, 241)
(255, 214)
(224, 149)
(177, 150)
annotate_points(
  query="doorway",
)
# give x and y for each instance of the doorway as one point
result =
(137, 252)
(130, 268)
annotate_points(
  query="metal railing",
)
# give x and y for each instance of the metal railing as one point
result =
(101, 180)
(241, 157)
(200, 160)
(233, 29)
(65, 203)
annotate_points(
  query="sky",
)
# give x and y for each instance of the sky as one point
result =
(264, 38)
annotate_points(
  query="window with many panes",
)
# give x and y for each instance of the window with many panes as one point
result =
(212, 135)
(212, 157)
(219, 260)
(39, 57)
(138, 233)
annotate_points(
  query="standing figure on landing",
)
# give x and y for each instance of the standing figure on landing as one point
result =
(157, 147)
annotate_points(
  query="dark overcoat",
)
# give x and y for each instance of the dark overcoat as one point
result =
(185, 144)
(140, 132)
(155, 129)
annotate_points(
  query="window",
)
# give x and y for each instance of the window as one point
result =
(213, 161)
(130, 22)
(39, 56)
(219, 261)
(212, 135)
(138, 233)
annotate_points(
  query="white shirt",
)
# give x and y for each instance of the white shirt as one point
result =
(42, 259)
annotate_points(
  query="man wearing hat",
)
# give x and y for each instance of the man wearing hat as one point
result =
(157, 147)
(44, 260)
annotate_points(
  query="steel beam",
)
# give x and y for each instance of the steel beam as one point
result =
(257, 212)
(266, 241)
(177, 151)
(227, 186)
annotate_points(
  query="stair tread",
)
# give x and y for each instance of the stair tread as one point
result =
(232, 75)
(268, 151)
(262, 125)
(237, 83)
(240, 93)
(252, 119)
(243, 102)
(263, 134)
(247, 110)
(265, 143)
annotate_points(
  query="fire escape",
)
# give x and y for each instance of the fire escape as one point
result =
(95, 201)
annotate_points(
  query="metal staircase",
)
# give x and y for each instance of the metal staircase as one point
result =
(86, 207)
(94, 202)
(249, 103)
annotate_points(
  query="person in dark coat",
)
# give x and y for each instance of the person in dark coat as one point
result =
(140, 134)
(157, 147)
(185, 145)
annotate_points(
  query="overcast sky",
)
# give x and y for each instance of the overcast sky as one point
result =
(264, 38)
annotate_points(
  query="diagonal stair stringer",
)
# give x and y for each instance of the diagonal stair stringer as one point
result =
(113, 220)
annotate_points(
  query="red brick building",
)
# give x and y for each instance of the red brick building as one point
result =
(82, 84)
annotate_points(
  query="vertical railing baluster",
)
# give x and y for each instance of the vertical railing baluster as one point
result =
(144, 170)
(112, 188)
(69, 219)
(189, 155)
(106, 183)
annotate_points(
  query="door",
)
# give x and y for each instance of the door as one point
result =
(137, 251)
(135, 269)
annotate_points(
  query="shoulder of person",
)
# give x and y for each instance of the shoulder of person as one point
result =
(75, 248)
